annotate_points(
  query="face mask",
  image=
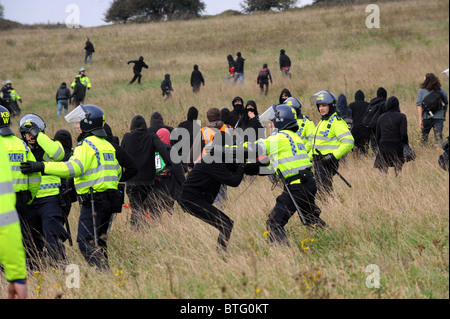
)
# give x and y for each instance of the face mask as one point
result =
(239, 107)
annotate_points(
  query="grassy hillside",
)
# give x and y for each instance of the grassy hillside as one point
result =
(399, 224)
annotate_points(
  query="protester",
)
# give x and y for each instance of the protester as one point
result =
(263, 79)
(157, 122)
(63, 98)
(432, 120)
(166, 87)
(392, 134)
(285, 64)
(89, 49)
(250, 123)
(359, 131)
(197, 79)
(79, 93)
(9, 98)
(192, 126)
(238, 111)
(137, 69)
(285, 93)
(231, 67)
(239, 69)
(375, 109)
(343, 111)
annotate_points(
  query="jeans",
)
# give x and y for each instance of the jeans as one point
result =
(436, 125)
(61, 104)
(86, 57)
(240, 77)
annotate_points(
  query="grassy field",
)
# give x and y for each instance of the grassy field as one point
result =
(400, 224)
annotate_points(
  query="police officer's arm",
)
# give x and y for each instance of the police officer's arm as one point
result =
(54, 149)
(345, 137)
(309, 134)
(34, 179)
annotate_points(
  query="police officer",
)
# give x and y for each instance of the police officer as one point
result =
(96, 172)
(25, 186)
(83, 79)
(305, 125)
(12, 254)
(288, 156)
(10, 97)
(331, 140)
(45, 216)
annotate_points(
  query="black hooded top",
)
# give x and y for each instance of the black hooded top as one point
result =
(284, 60)
(237, 112)
(166, 85)
(281, 94)
(359, 109)
(63, 93)
(79, 91)
(197, 77)
(239, 64)
(247, 123)
(157, 122)
(141, 146)
(190, 124)
(392, 126)
(138, 65)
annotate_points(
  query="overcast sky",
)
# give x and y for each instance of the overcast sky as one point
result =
(90, 12)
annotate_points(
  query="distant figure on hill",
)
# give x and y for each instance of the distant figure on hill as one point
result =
(137, 69)
(166, 87)
(285, 64)
(9, 98)
(231, 67)
(197, 79)
(89, 49)
(263, 79)
(79, 93)
(239, 69)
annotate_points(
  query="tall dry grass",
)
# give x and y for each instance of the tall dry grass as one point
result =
(399, 223)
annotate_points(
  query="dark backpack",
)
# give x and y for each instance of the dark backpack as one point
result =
(433, 102)
(263, 74)
(372, 115)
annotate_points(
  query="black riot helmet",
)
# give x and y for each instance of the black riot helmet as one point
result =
(5, 122)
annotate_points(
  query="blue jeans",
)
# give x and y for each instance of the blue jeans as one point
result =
(240, 77)
(61, 104)
(436, 125)
(86, 57)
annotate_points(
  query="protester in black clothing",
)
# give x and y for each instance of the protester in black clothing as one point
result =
(285, 93)
(192, 126)
(197, 79)
(376, 103)
(285, 63)
(63, 98)
(157, 122)
(238, 111)
(231, 67)
(89, 49)
(137, 69)
(202, 187)
(141, 146)
(225, 115)
(392, 134)
(239, 69)
(79, 93)
(343, 111)
(166, 87)
(359, 131)
(129, 166)
(263, 79)
(169, 181)
(250, 121)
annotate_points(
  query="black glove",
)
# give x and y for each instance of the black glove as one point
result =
(329, 159)
(32, 167)
(32, 129)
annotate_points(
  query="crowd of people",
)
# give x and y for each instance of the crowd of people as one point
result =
(191, 164)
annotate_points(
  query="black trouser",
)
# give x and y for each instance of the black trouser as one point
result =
(261, 87)
(361, 135)
(324, 173)
(143, 197)
(137, 76)
(42, 226)
(211, 215)
(304, 195)
(196, 88)
(103, 205)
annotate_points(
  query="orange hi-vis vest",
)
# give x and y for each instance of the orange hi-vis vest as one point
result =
(208, 136)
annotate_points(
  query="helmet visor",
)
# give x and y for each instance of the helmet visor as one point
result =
(32, 118)
(76, 115)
